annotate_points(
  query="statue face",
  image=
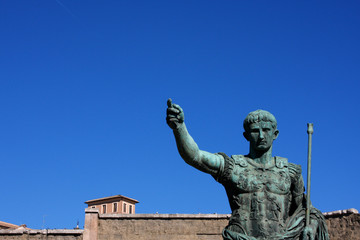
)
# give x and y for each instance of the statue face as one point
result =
(261, 135)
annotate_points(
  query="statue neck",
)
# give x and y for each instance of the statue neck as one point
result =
(261, 157)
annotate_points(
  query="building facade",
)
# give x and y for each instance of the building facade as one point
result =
(117, 204)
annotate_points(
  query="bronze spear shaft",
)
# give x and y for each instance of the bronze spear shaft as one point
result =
(310, 131)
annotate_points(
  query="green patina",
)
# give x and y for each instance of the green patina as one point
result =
(266, 193)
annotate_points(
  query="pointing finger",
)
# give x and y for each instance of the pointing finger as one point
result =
(169, 102)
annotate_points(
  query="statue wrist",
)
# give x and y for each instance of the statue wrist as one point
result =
(179, 127)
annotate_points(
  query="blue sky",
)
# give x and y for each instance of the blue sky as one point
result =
(84, 84)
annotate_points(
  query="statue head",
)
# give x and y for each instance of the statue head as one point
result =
(260, 129)
(257, 116)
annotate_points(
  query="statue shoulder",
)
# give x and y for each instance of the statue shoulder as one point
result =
(224, 175)
(226, 157)
(230, 163)
(240, 160)
(281, 162)
(294, 171)
(295, 168)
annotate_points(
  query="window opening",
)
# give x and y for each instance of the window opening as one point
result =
(115, 207)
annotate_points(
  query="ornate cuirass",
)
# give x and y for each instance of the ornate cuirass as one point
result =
(259, 197)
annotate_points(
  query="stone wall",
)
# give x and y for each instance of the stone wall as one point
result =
(162, 227)
(30, 234)
(343, 225)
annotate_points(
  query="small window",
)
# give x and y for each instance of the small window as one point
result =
(115, 207)
(124, 207)
(104, 208)
(130, 209)
(93, 207)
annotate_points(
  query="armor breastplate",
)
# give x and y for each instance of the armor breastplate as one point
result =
(259, 197)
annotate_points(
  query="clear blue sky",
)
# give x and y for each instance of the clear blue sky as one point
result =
(84, 84)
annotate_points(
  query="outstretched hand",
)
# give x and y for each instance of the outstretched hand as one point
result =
(174, 115)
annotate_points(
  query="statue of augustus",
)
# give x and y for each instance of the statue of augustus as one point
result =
(266, 193)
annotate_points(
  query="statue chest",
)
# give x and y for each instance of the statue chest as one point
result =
(248, 177)
(259, 197)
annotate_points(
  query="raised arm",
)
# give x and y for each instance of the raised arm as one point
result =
(187, 147)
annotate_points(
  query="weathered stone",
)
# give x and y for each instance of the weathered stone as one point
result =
(162, 226)
(49, 234)
(342, 225)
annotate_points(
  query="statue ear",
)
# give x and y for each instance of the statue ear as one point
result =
(246, 135)
(276, 134)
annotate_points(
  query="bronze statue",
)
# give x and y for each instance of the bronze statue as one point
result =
(266, 193)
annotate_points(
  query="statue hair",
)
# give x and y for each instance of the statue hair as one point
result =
(257, 116)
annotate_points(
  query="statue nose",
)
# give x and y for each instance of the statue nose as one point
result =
(261, 134)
